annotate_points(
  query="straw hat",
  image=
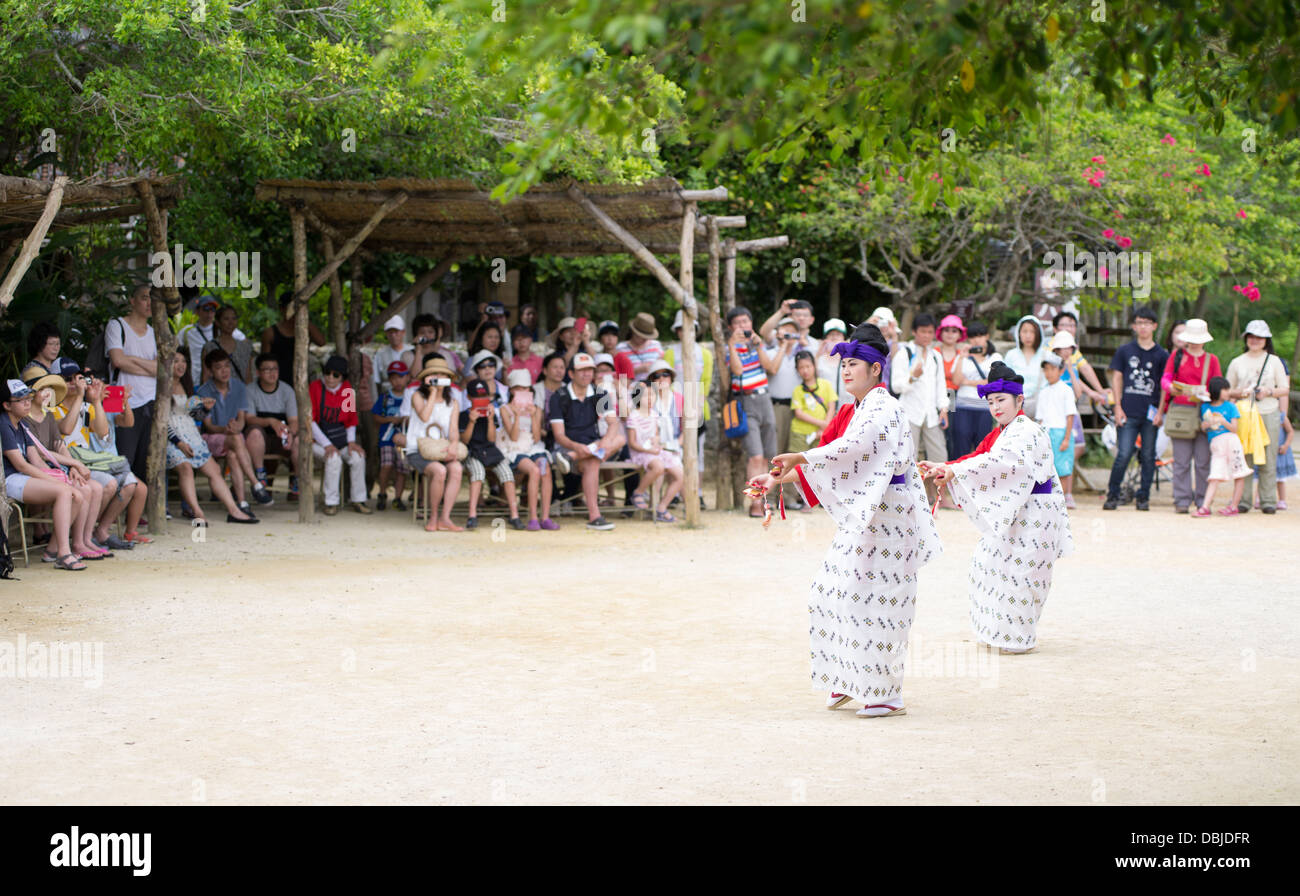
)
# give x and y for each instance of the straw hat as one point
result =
(644, 325)
(52, 381)
(1197, 331)
(436, 365)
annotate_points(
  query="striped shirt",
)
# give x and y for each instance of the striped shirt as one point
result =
(752, 375)
(651, 350)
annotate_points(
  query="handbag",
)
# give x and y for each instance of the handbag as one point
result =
(1183, 421)
(735, 424)
(436, 449)
(101, 461)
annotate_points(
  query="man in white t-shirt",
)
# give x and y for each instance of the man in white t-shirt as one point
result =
(133, 358)
(395, 333)
(916, 376)
(193, 337)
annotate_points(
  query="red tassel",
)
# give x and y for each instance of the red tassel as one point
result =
(781, 501)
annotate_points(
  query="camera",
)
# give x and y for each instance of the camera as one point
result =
(790, 336)
(976, 349)
(749, 334)
(423, 340)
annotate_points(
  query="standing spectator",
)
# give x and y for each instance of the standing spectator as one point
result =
(28, 478)
(193, 337)
(554, 372)
(433, 415)
(575, 412)
(275, 415)
(642, 345)
(334, 432)
(828, 365)
(225, 426)
(813, 405)
(952, 334)
(429, 332)
(1259, 375)
(1057, 412)
(970, 419)
(1067, 322)
(1135, 372)
(800, 314)
(133, 358)
(885, 321)
(239, 350)
(528, 320)
(607, 336)
(392, 460)
(478, 430)
(1220, 419)
(278, 339)
(521, 443)
(1185, 379)
(704, 384)
(43, 345)
(750, 364)
(781, 385)
(186, 450)
(916, 376)
(1026, 359)
(568, 341)
(394, 350)
(525, 359)
(1286, 470)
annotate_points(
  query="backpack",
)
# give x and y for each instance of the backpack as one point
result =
(889, 377)
(97, 358)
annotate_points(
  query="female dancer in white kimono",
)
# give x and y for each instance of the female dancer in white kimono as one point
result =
(864, 597)
(1008, 488)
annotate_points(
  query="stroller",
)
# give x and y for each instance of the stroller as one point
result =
(1133, 475)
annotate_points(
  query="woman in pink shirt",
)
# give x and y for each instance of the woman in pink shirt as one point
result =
(1190, 366)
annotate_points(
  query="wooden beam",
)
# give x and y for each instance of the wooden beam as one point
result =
(726, 496)
(413, 292)
(338, 326)
(345, 252)
(724, 221)
(85, 194)
(356, 301)
(32, 245)
(717, 194)
(690, 376)
(640, 252)
(302, 335)
(728, 275)
(329, 230)
(767, 242)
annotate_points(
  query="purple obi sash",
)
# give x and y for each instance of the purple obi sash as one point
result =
(900, 479)
(1042, 488)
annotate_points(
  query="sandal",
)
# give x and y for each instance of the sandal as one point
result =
(641, 500)
(136, 538)
(663, 516)
(69, 562)
(1229, 511)
(1200, 513)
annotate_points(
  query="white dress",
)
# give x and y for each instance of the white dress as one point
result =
(1022, 534)
(864, 596)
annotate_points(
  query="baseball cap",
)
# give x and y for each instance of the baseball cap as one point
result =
(607, 325)
(69, 368)
(476, 389)
(1053, 360)
(786, 320)
(1259, 328)
(395, 323)
(834, 324)
(884, 314)
(398, 368)
(207, 302)
(583, 360)
(603, 358)
(14, 389)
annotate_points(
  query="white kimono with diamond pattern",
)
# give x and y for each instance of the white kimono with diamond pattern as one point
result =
(1022, 534)
(864, 596)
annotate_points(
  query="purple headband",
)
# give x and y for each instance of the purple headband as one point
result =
(861, 351)
(1011, 388)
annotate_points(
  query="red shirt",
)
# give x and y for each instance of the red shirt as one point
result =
(986, 443)
(336, 412)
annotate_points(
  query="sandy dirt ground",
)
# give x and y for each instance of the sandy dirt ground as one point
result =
(363, 661)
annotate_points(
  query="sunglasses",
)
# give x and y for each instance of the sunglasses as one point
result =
(334, 373)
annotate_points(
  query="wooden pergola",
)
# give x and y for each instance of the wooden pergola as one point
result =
(29, 209)
(450, 220)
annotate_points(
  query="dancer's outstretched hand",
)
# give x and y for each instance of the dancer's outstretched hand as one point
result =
(942, 473)
(783, 463)
(765, 483)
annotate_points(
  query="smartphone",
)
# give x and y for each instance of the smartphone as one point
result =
(480, 404)
(581, 326)
(114, 399)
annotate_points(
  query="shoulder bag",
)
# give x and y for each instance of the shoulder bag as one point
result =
(1183, 421)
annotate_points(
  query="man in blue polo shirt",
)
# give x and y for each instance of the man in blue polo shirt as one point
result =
(575, 412)
(225, 427)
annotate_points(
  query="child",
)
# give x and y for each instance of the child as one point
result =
(1227, 461)
(1285, 461)
(478, 430)
(520, 439)
(524, 359)
(1056, 411)
(813, 404)
(387, 412)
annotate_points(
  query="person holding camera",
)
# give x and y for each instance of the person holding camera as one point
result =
(788, 343)
(750, 363)
(433, 416)
(971, 420)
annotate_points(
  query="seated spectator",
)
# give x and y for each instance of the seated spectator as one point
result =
(240, 351)
(334, 431)
(275, 416)
(520, 440)
(478, 430)
(487, 339)
(225, 426)
(106, 442)
(429, 332)
(43, 345)
(187, 451)
(524, 358)
(395, 349)
(433, 416)
(528, 320)
(642, 344)
(43, 426)
(607, 335)
(554, 373)
(387, 411)
(81, 413)
(654, 440)
(567, 340)
(483, 366)
(575, 413)
(30, 479)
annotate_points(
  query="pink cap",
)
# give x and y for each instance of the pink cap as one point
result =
(953, 320)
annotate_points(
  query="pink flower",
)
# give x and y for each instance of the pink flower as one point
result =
(1118, 216)
(1250, 291)
(1168, 140)
(1166, 174)
(1100, 160)
(1241, 213)
(1124, 242)
(1104, 274)
(1204, 169)
(936, 176)
(900, 177)
(1109, 233)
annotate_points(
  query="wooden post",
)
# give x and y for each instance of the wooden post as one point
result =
(338, 325)
(725, 498)
(834, 309)
(728, 274)
(346, 250)
(32, 244)
(690, 376)
(165, 344)
(726, 490)
(356, 302)
(302, 336)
